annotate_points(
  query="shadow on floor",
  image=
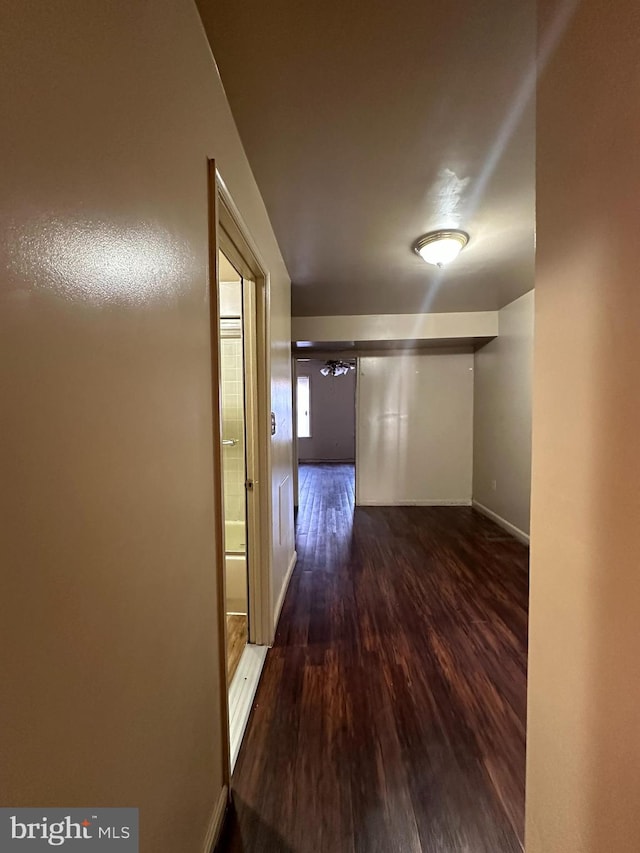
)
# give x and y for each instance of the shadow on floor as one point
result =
(264, 838)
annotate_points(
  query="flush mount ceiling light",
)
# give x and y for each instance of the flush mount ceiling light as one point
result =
(441, 247)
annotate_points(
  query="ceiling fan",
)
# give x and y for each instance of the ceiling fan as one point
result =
(336, 368)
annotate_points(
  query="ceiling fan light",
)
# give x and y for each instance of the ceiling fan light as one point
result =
(335, 367)
(441, 247)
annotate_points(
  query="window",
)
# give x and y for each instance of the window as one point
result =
(304, 408)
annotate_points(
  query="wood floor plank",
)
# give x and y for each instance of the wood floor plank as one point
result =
(391, 711)
(237, 638)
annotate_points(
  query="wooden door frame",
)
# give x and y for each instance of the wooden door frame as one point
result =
(233, 237)
(218, 492)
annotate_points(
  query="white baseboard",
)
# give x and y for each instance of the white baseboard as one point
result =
(283, 591)
(241, 694)
(436, 502)
(502, 522)
(216, 821)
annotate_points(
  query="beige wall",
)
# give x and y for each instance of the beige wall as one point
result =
(396, 327)
(583, 779)
(502, 418)
(333, 415)
(233, 458)
(108, 608)
(233, 408)
(414, 429)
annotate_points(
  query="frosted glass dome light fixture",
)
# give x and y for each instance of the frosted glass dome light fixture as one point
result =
(441, 247)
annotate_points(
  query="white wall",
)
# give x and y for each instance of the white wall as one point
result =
(108, 613)
(502, 418)
(333, 415)
(230, 293)
(415, 429)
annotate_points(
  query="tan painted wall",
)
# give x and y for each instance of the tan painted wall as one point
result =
(395, 327)
(503, 371)
(414, 427)
(108, 605)
(233, 413)
(583, 778)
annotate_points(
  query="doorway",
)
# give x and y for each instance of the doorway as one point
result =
(242, 471)
(234, 460)
(325, 413)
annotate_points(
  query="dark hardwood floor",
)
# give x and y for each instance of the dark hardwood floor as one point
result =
(391, 711)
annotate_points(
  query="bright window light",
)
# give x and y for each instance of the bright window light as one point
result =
(304, 407)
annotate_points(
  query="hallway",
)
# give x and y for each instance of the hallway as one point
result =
(391, 711)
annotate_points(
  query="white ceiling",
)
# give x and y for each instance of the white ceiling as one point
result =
(367, 125)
